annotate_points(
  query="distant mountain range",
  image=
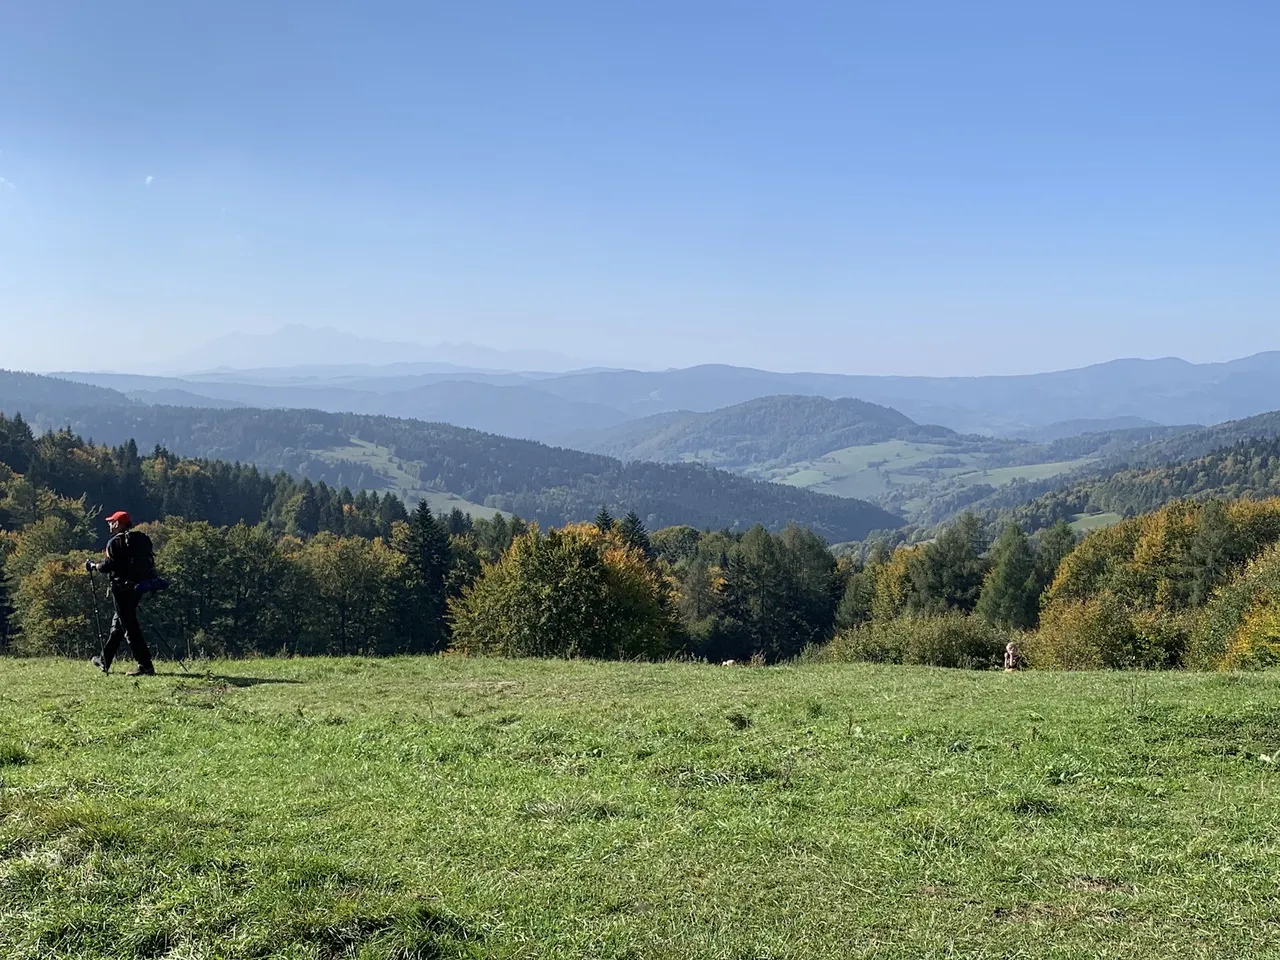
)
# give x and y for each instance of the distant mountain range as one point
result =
(560, 408)
(298, 345)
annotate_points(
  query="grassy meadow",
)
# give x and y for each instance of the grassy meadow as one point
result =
(401, 481)
(446, 807)
(873, 470)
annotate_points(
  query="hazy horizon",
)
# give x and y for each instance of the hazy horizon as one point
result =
(455, 354)
(886, 190)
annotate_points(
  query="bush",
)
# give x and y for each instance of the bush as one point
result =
(1237, 629)
(946, 640)
(1102, 632)
(575, 592)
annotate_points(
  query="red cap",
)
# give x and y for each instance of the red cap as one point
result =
(120, 517)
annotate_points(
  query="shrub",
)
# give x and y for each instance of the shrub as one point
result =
(946, 640)
(1235, 629)
(1102, 632)
(576, 592)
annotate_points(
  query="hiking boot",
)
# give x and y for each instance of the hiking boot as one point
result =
(101, 664)
(142, 670)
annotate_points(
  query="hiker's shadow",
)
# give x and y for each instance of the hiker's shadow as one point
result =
(229, 681)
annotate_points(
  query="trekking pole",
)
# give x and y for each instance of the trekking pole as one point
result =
(168, 649)
(93, 602)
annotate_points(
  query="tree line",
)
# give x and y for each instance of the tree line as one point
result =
(271, 565)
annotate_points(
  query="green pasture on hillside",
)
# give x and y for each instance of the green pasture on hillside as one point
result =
(401, 481)
(1084, 522)
(870, 471)
(446, 807)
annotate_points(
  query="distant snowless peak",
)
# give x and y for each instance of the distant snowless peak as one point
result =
(296, 345)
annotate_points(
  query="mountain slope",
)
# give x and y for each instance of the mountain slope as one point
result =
(541, 483)
(1247, 468)
(759, 433)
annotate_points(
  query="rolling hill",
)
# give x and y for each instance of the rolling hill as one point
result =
(850, 448)
(759, 433)
(416, 458)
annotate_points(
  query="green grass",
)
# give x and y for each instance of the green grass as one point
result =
(403, 483)
(850, 472)
(484, 808)
(871, 471)
(1002, 476)
(1084, 522)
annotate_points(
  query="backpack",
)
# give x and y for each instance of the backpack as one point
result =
(138, 560)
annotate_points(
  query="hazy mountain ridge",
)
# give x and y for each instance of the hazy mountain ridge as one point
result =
(1102, 396)
(298, 344)
(503, 407)
(1162, 391)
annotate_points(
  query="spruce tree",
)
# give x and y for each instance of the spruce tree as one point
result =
(426, 548)
(604, 519)
(948, 573)
(304, 512)
(1010, 594)
(634, 534)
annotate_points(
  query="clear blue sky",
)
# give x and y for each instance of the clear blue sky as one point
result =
(895, 187)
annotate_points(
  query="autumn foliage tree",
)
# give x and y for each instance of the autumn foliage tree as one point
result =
(579, 591)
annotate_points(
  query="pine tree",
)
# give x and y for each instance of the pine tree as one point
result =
(304, 512)
(604, 520)
(948, 573)
(634, 534)
(426, 548)
(459, 523)
(1010, 594)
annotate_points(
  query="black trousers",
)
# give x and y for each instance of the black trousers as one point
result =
(125, 624)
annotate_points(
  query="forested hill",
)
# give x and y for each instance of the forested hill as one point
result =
(779, 429)
(550, 485)
(1249, 468)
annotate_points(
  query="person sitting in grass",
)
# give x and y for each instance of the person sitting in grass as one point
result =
(1012, 659)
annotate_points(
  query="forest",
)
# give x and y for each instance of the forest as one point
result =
(267, 564)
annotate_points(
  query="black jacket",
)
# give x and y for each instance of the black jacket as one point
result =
(129, 559)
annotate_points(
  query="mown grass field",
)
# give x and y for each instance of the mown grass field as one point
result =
(483, 808)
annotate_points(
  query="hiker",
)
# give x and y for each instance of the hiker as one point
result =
(129, 561)
(1012, 659)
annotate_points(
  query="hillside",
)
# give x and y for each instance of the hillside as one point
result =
(453, 807)
(413, 458)
(1247, 468)
(1134, 469)
(759, 433)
